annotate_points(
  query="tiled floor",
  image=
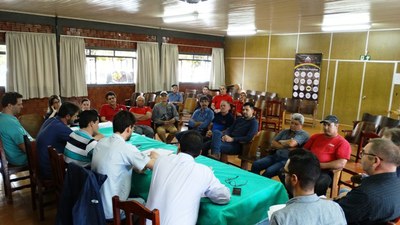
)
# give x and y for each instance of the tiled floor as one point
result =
(20, 212)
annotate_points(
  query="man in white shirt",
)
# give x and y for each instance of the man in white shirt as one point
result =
(178, 183)
(114, 157)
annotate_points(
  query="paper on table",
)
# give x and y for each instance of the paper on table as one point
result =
(274, 208)
(160, 151)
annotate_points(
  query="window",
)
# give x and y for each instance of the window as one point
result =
(3, 65)
(110, 66)
(194, 68)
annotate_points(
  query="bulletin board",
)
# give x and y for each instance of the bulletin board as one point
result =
(306, 76)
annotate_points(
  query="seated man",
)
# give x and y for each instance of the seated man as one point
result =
(107, 111)
(165, 116)
(11, 131)
(301, 173)
(376, 200)
(242, 131)
(115, 157)
(85, 104)
(223, 119)
(223, 96)
(332, 151)
(55, 131)
(239, 103)
(205, 92)
(178, 183)
(81, 143)
(142, 115)
(200, 119)
(175, 97)
(286, 140)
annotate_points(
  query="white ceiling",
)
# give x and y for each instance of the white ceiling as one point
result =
(268, 16)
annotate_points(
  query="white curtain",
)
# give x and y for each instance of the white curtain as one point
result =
(169, 65)
(148, 59)
(218, 68)
(72, 67)
(32, 64)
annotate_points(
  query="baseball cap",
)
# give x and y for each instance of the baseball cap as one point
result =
(163, 93)
(330, 119)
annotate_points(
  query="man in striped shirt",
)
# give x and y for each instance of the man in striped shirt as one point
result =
(82, 142)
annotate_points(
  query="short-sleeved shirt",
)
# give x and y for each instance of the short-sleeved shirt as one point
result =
(115, 158)
(142, 110)
(163, 112)
(327, 148)
(79, 148)
(175, 97)
(300, 136)
(219, 98)
(55, 133)
(205, 116)
(108, 112)
(12, 134)
(239, 106)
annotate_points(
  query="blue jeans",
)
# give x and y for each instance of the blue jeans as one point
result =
(272, 165)
(217, 146)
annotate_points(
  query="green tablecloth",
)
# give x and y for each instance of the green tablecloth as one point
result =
(258, 194)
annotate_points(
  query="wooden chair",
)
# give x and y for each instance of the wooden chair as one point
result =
(262, 140)
(57, 169)
(309, 107)
(354, 136)
(273, 115)
(187, 110)
(292, 105)
(8, 171)
(133, 208)
(387, 122)
(335, 183)
(31, 123)
(43, 187)
(351, 168)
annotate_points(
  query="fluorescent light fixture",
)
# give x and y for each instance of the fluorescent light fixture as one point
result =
(181, 18)
(244, 30)
(353, 27)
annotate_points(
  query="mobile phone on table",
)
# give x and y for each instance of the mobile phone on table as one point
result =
(237, 191)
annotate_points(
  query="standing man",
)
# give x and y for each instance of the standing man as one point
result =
(79, 148)
(11, 130)
(285, 141)
(165, 116)
(332, 151)
(55, 131)
(242, 131)
(116, 158)
(178, 183)
(107, 111)
(175, 97)
(301, 173)
(142, 115)
(223, 96)
(376, 200)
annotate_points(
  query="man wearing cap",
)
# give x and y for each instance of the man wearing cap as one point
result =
(165, 116)
(331, 149)
(285, 141)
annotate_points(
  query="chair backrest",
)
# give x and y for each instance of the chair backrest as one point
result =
(57, 167)
(3, 159)
(263, 139)
(273, 108)
(388, 123)
(31, 153)
(133, 208)
(292, 105)
(308, 107)
(149, 98)
(31, 123)
(190, 105)
(376, 119)
(133, 98)
(363, 126)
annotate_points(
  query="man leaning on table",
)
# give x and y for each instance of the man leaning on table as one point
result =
(178, 183)
(116, 158)
(301, 173)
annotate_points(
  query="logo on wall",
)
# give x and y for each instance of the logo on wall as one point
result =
(307, 76)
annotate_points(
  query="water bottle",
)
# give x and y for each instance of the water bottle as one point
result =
(258, 152)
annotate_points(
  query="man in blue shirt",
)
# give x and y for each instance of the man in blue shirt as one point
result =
(229, 141)
(11, 130)
(55, 131)
(175, 97)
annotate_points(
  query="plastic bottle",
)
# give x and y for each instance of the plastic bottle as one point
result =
(258, 152)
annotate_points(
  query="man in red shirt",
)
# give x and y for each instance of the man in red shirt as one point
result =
(332, 151)
(107, 111)
(223, 96)
(142, 114)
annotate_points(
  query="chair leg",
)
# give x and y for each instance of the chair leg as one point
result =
(41, 203)
(244, 164)
(33, 195)
(8, 189)
(224, 158)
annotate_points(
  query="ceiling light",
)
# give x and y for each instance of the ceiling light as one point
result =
(353, 27)
(193, 1)
(181, 18)
(244, 32)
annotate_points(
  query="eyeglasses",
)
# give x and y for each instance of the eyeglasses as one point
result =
(370, 154)
(234, 183)
(284, 171)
